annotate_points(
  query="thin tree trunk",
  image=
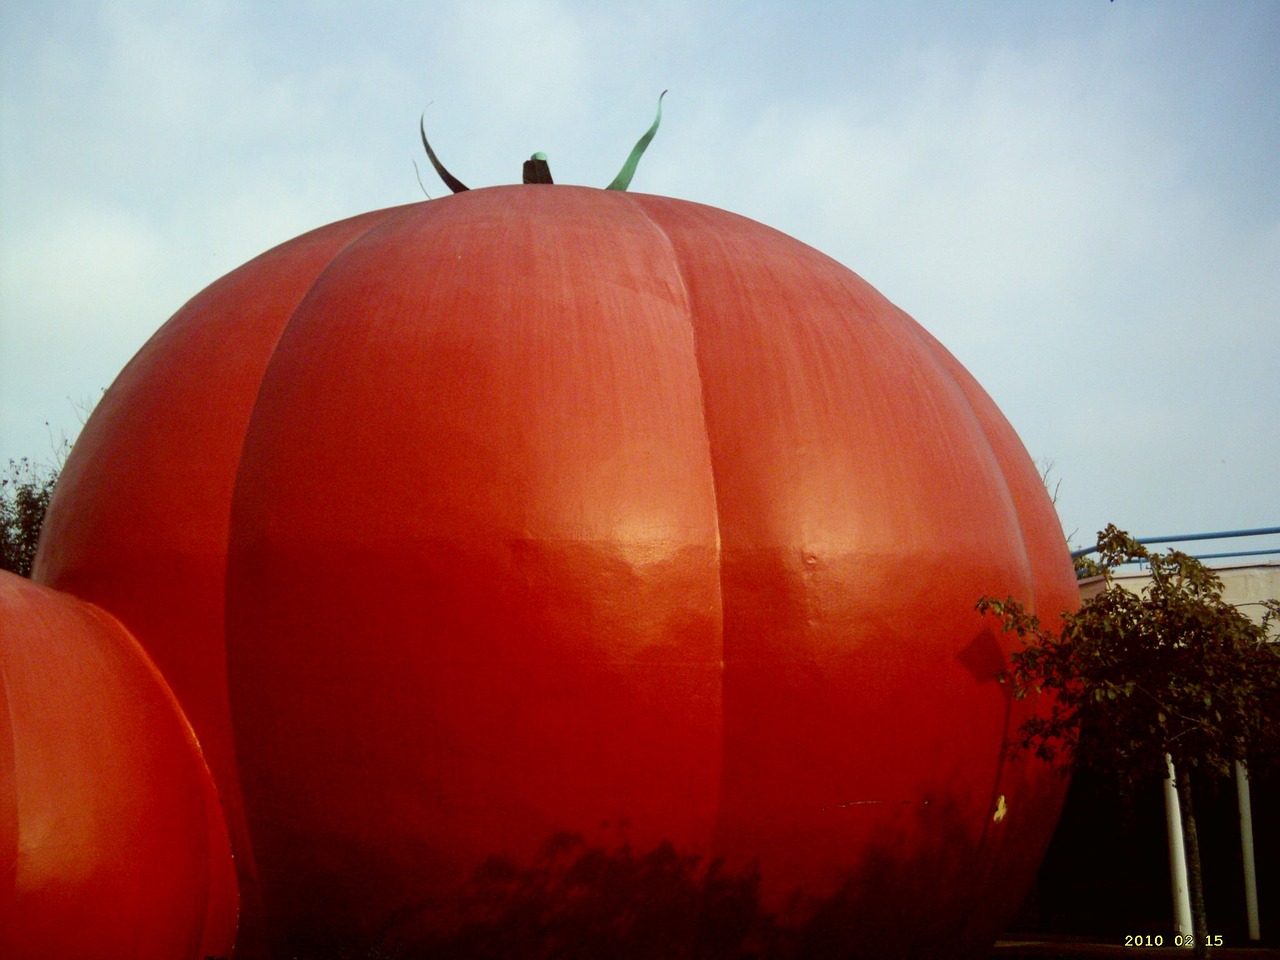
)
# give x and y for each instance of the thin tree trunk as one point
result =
(1195, 880)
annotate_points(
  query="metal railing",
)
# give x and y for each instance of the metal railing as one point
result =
(1221, 535)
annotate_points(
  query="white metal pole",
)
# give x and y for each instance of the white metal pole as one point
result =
(1177, 856)
(1246, 849)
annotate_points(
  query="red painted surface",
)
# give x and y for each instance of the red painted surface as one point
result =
(534, 513)
(110, 833)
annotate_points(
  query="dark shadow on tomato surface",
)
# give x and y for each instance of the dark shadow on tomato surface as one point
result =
(906, 903)
(578, 902)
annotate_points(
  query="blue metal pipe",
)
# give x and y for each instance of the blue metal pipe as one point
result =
(1257, 532)
(1237, 553)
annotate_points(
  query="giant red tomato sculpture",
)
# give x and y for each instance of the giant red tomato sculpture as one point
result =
(552, 571)
(111, 837)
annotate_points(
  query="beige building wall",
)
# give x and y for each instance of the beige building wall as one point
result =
(1245, 586)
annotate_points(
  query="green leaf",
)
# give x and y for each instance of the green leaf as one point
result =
(623, 179)
(450, 181)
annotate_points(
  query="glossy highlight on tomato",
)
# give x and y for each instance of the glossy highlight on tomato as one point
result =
(550, 569)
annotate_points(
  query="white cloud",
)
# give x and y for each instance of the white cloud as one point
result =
(523, 58)
(81, 263)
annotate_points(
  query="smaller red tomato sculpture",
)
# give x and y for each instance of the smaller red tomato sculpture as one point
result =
(111, 837)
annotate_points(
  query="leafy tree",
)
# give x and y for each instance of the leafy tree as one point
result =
(1170, 671)
(25, 492)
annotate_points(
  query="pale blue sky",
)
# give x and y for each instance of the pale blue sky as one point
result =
(1079, 198)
